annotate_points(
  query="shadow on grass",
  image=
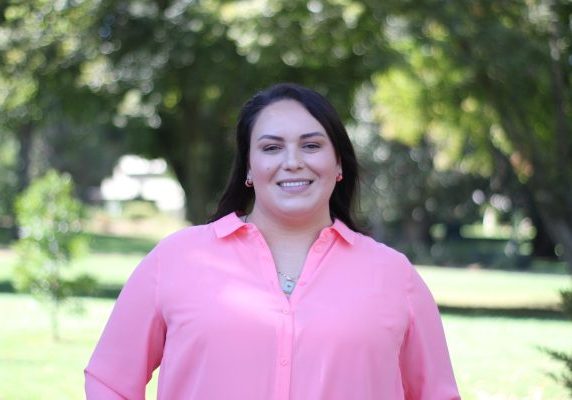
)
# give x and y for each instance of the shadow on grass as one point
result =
(119, 244)
(515, 313)
(101, 243)
(112, 291)
(101, 291)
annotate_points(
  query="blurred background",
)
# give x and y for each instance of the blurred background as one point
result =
(116, 128)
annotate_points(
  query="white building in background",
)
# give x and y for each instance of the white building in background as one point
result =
(135, 177)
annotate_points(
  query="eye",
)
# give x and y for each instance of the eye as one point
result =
(312, 146)
(270, 148)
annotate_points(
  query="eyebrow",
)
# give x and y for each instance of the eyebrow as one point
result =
(281, 139)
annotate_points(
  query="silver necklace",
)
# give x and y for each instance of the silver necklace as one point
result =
(289, 282)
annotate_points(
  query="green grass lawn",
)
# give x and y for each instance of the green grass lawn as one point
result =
(32, 365)
(494, 358)
(458, 287)
(462, 287)
(500, 358)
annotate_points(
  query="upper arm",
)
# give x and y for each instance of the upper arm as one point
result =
(424, 359)
(131, 345)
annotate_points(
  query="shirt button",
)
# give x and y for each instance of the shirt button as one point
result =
(285, 311)
(284, 362)
(319, 248)
(302, 283)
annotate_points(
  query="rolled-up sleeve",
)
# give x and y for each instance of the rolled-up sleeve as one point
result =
(131, 345)
(424, 360)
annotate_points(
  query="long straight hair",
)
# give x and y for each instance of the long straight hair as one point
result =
(239, 198)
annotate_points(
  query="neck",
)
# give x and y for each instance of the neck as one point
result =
(288, 228)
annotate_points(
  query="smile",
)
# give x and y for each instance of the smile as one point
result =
(294, 184)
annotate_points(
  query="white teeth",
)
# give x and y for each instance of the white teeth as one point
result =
(294, 184)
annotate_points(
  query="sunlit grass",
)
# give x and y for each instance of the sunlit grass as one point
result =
(32, 365)
(460, 287)
(501, 358)
(464, 287)
(494, 358)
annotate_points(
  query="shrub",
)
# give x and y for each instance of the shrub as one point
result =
(49, 219)
(566, 376)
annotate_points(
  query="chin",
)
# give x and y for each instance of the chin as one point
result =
(305, 211)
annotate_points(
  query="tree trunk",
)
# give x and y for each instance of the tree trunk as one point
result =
(554, 204)
(561, 231)
(54, 317)
(24, 136)
(197, 147)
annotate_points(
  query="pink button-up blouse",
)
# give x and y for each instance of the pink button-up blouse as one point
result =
(205, 304)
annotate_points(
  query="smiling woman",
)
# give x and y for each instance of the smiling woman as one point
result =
(279, 296)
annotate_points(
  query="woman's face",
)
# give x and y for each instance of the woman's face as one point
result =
(292, 163)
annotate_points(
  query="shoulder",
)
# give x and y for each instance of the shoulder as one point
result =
(187, 238)
(382, 261)
(380, 251)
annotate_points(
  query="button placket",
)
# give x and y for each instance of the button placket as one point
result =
(284, 320)
(284, 353)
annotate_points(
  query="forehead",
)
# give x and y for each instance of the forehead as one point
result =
(285, 118)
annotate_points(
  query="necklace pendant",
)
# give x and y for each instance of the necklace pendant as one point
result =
(288, 286)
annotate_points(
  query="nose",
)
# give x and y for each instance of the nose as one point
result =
(293, 160)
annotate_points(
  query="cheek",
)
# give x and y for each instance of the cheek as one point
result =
(261, 169)
(328, 167)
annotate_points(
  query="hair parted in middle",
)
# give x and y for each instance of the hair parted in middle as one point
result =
(239, 198)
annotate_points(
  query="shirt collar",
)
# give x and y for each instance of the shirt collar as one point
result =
(227, 225)
(342, 229)
(230, 223)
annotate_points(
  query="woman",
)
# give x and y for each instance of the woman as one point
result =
(279, 296)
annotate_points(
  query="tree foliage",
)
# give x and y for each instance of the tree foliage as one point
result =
(485, 84)
(404, 193)
(46, 93)
(178, 92)
(490, 81)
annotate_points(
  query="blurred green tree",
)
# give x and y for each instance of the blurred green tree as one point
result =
(179, 71)
(404, 195)
(489, 84)
(46, 105)
(50, 221)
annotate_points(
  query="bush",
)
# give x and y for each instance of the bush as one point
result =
(566, 376)
(49, 219)
(566, 302)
